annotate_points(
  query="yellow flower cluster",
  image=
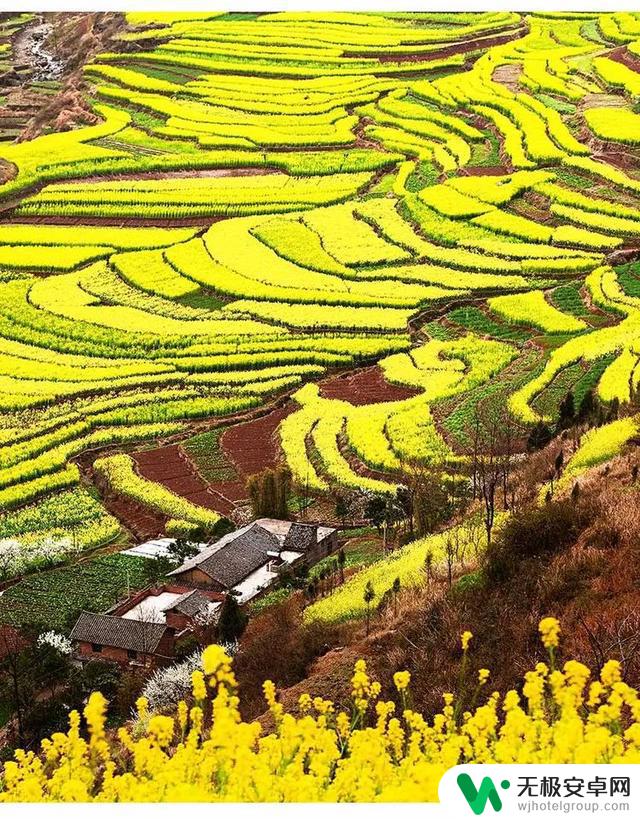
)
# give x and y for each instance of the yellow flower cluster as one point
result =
(549, 629)
(375, 752)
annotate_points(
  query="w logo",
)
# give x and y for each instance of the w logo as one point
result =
(477, 798)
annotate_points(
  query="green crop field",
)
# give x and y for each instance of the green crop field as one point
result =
(264, 200)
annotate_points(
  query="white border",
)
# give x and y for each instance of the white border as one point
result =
(316, 5)
(268, 811)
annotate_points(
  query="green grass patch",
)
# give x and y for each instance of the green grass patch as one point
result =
(573, 180)
(561, 106)
(383, 186)
(486, 154)
(270, 599)
(456, 415)
(358, 552)
(296, 504)
(424, 175)
(436, 330)
(568, 298)
(201, 300)
(548, 401)
(629, 278)
(590, 379)
(181, 77)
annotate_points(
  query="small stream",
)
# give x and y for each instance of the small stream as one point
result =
(31, 49)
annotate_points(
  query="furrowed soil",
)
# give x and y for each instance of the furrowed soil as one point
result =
(366, 386)
(170, 466)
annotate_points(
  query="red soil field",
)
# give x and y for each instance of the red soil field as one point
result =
(625, 57)
(253, 445)
(142, 522)
(170, 466)
(366, 386)
(447, 51)
(250, 447)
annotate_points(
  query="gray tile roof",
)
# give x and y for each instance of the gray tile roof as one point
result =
(301, 537)
(189, 603)
(119, 632)
(237, 558)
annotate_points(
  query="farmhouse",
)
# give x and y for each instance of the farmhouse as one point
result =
(249, 560)
(143, 629)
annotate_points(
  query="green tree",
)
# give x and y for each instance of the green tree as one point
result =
(428, 565)
(539, 437)
(613, 411)
(588, 409)
(269, 493)
(182, 549)
(233, 620)
(567, 412)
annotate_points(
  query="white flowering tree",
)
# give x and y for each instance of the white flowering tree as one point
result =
(16, 556)
(58, 642)
(167, 686)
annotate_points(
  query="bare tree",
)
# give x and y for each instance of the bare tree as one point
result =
(368, 596)
(493, 456)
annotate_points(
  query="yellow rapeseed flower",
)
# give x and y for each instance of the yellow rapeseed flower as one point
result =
(401, 680)
(550, 632)
(328, 753)
(198, 686)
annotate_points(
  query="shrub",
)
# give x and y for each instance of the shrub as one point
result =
(533, 533)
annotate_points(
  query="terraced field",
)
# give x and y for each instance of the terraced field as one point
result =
(270, 201)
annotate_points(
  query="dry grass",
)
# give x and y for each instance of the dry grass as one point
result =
(589, 579)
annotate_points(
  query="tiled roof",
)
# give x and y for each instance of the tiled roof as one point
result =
(189, 603)
(237, 559)
(119, 632)
(301, 537)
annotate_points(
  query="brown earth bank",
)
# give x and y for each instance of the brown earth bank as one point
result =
(461, 47)
(199, 173)
(55, 47)
(8, 171)
(486, 170)
(624, 56)
(619, 156)
(94, 221)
